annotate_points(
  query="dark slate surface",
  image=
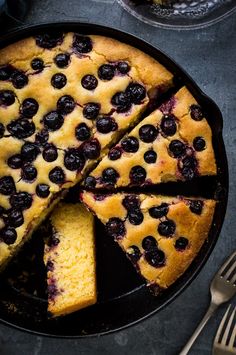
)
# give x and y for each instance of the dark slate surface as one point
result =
(209, 56)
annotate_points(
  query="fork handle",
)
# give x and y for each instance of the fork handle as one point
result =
(198, 330)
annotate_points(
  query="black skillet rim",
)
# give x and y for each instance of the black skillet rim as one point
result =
(216, 125)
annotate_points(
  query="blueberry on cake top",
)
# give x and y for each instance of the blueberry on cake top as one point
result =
(64, 99)
(160, 235)
(70, 260)
(173, 143)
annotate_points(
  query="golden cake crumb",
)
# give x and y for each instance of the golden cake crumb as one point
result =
(70, 260)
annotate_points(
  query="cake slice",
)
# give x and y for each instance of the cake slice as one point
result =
(172, 143)
(70, 260)
(64, 99)
(160, 235)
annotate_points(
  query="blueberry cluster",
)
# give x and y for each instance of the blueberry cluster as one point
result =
(135, 93)
(17, 77)
(187, 161)
(166, 228)
(106, 72)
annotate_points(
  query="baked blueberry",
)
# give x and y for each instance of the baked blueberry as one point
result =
(50, 153)
(7, 185)
(155, 257)
(49, 40)
(82, 132)
(37, 64)
(2, 130)
(29, 107)
(189, 165)
(53, 240)
(21, 128)
(122, 101)
(148, 133)
(168, 125)
(65, 104)
(135, 217)
(8, 235)
(5, 72)
(58, 81)
(29, 172)
(74, 160)
(90, 182)
(106, 124)
(137, 175)
(19, 79)
(131, 202)
(199, 144)
(91, 149)
(134, 253)
(89, 82)
(196, 206)
(42, 190)
(42, 137)
(196, 112)
(123, 67)
(110, 176)
(53, 121)
(50, 265)
(52, 289)
(91, 110)
(115, 228)
(15, 161)
(7, 97)
(130, 144)
(159, 211)
(167, 228)
(136, 92)
(82, 44)
(29, 151)
(177, 148)
(21, 200)
(57, 175)
(181, 243)
(188, 173)
(15, 218)
(106, 72)
(115, 153)
(150, 156)
(62, 60)
(189, 162)
(149, 243)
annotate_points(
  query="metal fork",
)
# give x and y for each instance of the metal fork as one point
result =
(223, 288)
(225, 338)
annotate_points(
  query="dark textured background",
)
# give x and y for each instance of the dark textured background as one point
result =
(209, 56)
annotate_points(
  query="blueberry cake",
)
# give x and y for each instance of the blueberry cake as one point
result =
(173, 143)
(70, 260)
(64, 99)
(160, 235)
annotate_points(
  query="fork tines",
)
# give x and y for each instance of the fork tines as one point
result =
(228, 270)
(226, 334)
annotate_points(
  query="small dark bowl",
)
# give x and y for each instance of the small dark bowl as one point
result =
(122, 296)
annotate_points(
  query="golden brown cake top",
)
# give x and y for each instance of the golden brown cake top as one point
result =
(173, 143)
(64, 98)
(161, 235)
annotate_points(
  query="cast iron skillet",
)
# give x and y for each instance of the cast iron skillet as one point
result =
(122, 297)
